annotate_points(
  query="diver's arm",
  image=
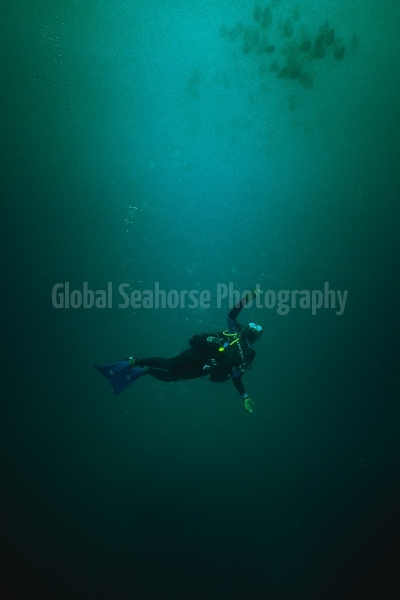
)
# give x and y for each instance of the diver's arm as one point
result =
(238, 383)
(233, 314)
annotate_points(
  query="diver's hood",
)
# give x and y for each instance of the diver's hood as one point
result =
(253, 332)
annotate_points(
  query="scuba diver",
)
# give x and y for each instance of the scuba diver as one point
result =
(223, 355)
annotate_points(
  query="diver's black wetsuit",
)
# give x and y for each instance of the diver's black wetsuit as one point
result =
(197, 362)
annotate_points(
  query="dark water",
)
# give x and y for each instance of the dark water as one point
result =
(257, 147)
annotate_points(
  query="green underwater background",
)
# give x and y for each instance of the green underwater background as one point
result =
(196, 143)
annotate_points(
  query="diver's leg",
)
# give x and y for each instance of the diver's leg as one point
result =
(177, 368)
(178, 374)
(161, 374)
(159, 363)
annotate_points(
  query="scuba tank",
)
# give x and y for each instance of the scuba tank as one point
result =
(222, 349)
(222, 352)
(213, 343)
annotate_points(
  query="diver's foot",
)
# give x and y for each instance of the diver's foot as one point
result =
(132, 362)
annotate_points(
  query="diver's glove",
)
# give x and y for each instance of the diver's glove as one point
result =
(252, 294)
(248, 403)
